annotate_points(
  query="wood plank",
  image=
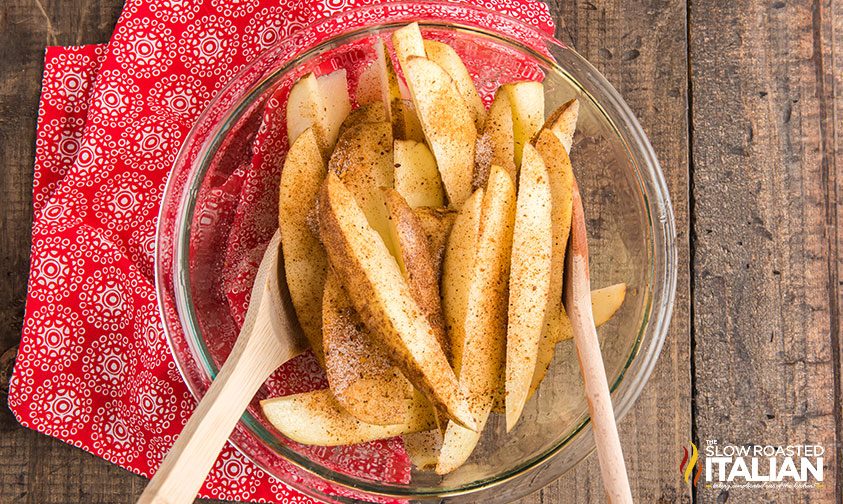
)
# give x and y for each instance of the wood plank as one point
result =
(627, 42)
(620, 39)
(35, 468)
(766, 268)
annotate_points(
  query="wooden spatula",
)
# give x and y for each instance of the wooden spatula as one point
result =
(267, 340)
(578, 306)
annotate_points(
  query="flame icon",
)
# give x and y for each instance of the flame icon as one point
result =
(686, 467)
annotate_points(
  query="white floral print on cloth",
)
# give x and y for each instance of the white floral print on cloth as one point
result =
(93, 367)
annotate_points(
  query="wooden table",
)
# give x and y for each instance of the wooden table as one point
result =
(743, 102)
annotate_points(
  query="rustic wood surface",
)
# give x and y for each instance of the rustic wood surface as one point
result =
(742, 103)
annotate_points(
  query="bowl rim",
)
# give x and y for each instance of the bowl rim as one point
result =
(656, 196)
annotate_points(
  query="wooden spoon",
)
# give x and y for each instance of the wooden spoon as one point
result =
(578, 306)
(267, 340)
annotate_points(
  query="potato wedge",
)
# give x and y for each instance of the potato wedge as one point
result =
(405, 121)
(408, 42)
(446, 57)
(605, 303)
(437, 224)
(484, 350)
(423, 448)
(457, 273)
(316, 418)
(382, 297)
(563, 122)
(496, 146)
(561, 173)
(360, 373)
(415, 259)
(447, 124)
(305, 262)
(416, 175)
(321, 103)
(368, 88)
(529, 280)
(527, 101)
(369, 113)
(363, 160)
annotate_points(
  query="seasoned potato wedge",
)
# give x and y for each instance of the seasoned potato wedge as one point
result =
(562, 185)
(373, 112)
(447, 123)
(416, 261)
(316, 418)
(408, 42)
(363, 160)
(527, 101)
(563, 122)
(457, 272)
(437, 224)
(416, 175)
(446, 57)
(605, 303)
(321, 103)
(484, 348)
(529, 280)
(360, 373)
(304, 259)
(496, 146)
(382, 297)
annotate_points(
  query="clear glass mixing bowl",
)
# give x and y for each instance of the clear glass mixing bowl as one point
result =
(218, 212)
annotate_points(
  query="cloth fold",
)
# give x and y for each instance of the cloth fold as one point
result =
(93, 367)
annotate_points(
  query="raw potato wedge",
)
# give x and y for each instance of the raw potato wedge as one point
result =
(316, 418)
(408, 42)
(437, 224)
(446, 57)
(447, 123)
(321, 103)
(416, 175)
(561, 185)
(405, 121)
(605, 303)
(527, 101)
(529, 280)
(485, 319)
(457, 273)
(305, 262)
(368, 89)
(360, 373)
(370, 113)
(563, 122)
(364, 162)
(423, 448)
(415, 259)
(383, 299)
(497, 144)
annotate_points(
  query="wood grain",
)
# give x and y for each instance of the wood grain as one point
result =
(766, 205)
(765, 81)
(627, 42)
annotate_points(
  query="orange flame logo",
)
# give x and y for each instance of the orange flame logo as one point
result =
(686, 467)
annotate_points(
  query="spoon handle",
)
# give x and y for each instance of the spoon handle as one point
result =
(266, 341)
(183, 471)
(578, 303)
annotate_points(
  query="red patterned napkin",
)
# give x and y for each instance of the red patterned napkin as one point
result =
(93, 367)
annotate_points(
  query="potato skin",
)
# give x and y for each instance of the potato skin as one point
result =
(382, 297)
(305, 262)
(360, 372)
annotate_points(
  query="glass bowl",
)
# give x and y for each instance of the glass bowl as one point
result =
(219, 211)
